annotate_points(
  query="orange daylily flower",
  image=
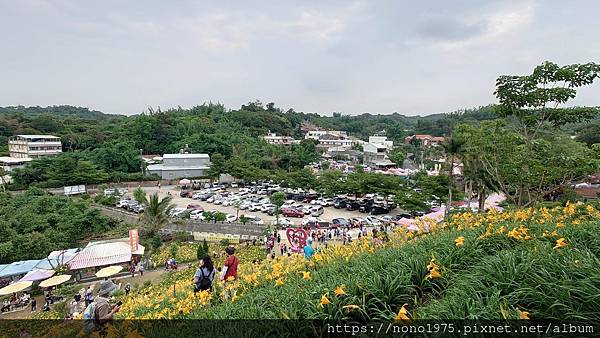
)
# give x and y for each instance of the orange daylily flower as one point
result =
(324, 300)
(402, 314)
(523, 314)
(561, 242)
(340, 290)
(459, 241)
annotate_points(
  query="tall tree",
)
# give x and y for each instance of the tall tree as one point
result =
(278, 199)
(453, 147)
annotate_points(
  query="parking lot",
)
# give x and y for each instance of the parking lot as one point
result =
(329, 212)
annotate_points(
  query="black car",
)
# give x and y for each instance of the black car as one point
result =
(340, 203)
(417, 213)
(402, 215)
(365, 206)
(299, 197)
(339, 222)
(379, 210)
(352, 205)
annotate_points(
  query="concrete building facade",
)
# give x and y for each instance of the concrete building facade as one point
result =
(176, 166)
(34, 146)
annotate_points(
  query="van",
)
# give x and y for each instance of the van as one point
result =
(316, 210)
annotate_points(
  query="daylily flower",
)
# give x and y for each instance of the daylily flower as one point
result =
(402, 313)
(324, 300)
(306, 275)
(459, 241)
(523, 314)
(279, 282)
(433, 273)
(561, 242)
(340, 290)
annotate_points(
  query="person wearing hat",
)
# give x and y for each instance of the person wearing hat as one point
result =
(308, 249)
(104, 312)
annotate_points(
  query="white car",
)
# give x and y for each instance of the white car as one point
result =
(289, 204)
(255, 207)
(327, 202)
(230, 218)
(245, 205)
(316, 201)
(196, 195)
(218, 200)
(196, 214)
(124, 203)
(306, 209)
(266, 206)
(283, 222)
(374, 221)
(310, 220)
(233, 185)
(176, 212)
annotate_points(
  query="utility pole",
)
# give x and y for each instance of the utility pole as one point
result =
(141, 162)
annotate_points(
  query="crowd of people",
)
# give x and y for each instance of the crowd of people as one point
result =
(16, 301)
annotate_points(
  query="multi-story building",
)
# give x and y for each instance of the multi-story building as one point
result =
(318, 134)
(10, 163)
(426, 140)
(273, 138)
(34, 146)
(382, 140)
(175, 166)
(375, 155)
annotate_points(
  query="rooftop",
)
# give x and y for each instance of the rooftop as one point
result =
(185, 156)
(6, 159)
(38, 136)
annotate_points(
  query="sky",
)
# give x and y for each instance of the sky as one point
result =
(323, 56)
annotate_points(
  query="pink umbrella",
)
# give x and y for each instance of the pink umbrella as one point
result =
(37, 274)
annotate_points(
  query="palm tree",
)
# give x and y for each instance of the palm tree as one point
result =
(156, 211)
(452, 147)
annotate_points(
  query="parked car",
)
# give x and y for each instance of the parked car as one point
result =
(352, 205)
(230, 218)
(194, 206)
(365, 206)
(310, 221)
(186, 193)
(306, 209)
(272, 210)
(255, 207)
(180, 213)
(233, 185)
(357, 221)
(244, 205)
(339, 222)
(292, 212)
(218, 200)
(373, 221)
(265, 207)
(316, 210)
(339, 203)
(379, 209)
(327, 202)
(195, 214)
(137, 208)
(283, 222)
(124, 203)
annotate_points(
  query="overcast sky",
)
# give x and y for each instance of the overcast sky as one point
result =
(315, 56)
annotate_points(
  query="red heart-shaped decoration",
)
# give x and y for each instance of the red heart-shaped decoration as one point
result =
(297, 234)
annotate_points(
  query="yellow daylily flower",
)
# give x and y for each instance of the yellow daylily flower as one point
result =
(561, 242)
(279, 282)
(340, 290)
(402, 314)
(459, 241)
(523, 314)
(433, 273)
(324, 300)
(306, 275)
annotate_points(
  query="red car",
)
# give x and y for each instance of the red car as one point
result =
(195, 207)
(289, 212)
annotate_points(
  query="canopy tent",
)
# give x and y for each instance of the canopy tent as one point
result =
(109, 271)
(37, 274)
(57, 258)
(185, 181)
(18, 268)
(15, 287)
(2, 266)
(56, 280)
(104, 253)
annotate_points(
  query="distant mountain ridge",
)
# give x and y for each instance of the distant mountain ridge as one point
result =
(61, 110)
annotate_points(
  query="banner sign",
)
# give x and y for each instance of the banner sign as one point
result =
(134, 239)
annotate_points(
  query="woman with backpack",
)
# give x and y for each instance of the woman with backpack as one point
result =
(205, 275)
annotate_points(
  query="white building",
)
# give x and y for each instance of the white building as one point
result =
(176, 166)
(375, 155)
(382, 140)
(318, 134)
(273, 138)
(33, 146)
(10, 163)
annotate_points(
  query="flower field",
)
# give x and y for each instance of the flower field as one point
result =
(526, 264)
(533, 263)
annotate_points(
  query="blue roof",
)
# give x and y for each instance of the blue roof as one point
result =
(18, 268)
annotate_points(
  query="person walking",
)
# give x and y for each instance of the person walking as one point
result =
(229, 272)
(308, 249)
(141, 268)
(33, 304)
(205, 275)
